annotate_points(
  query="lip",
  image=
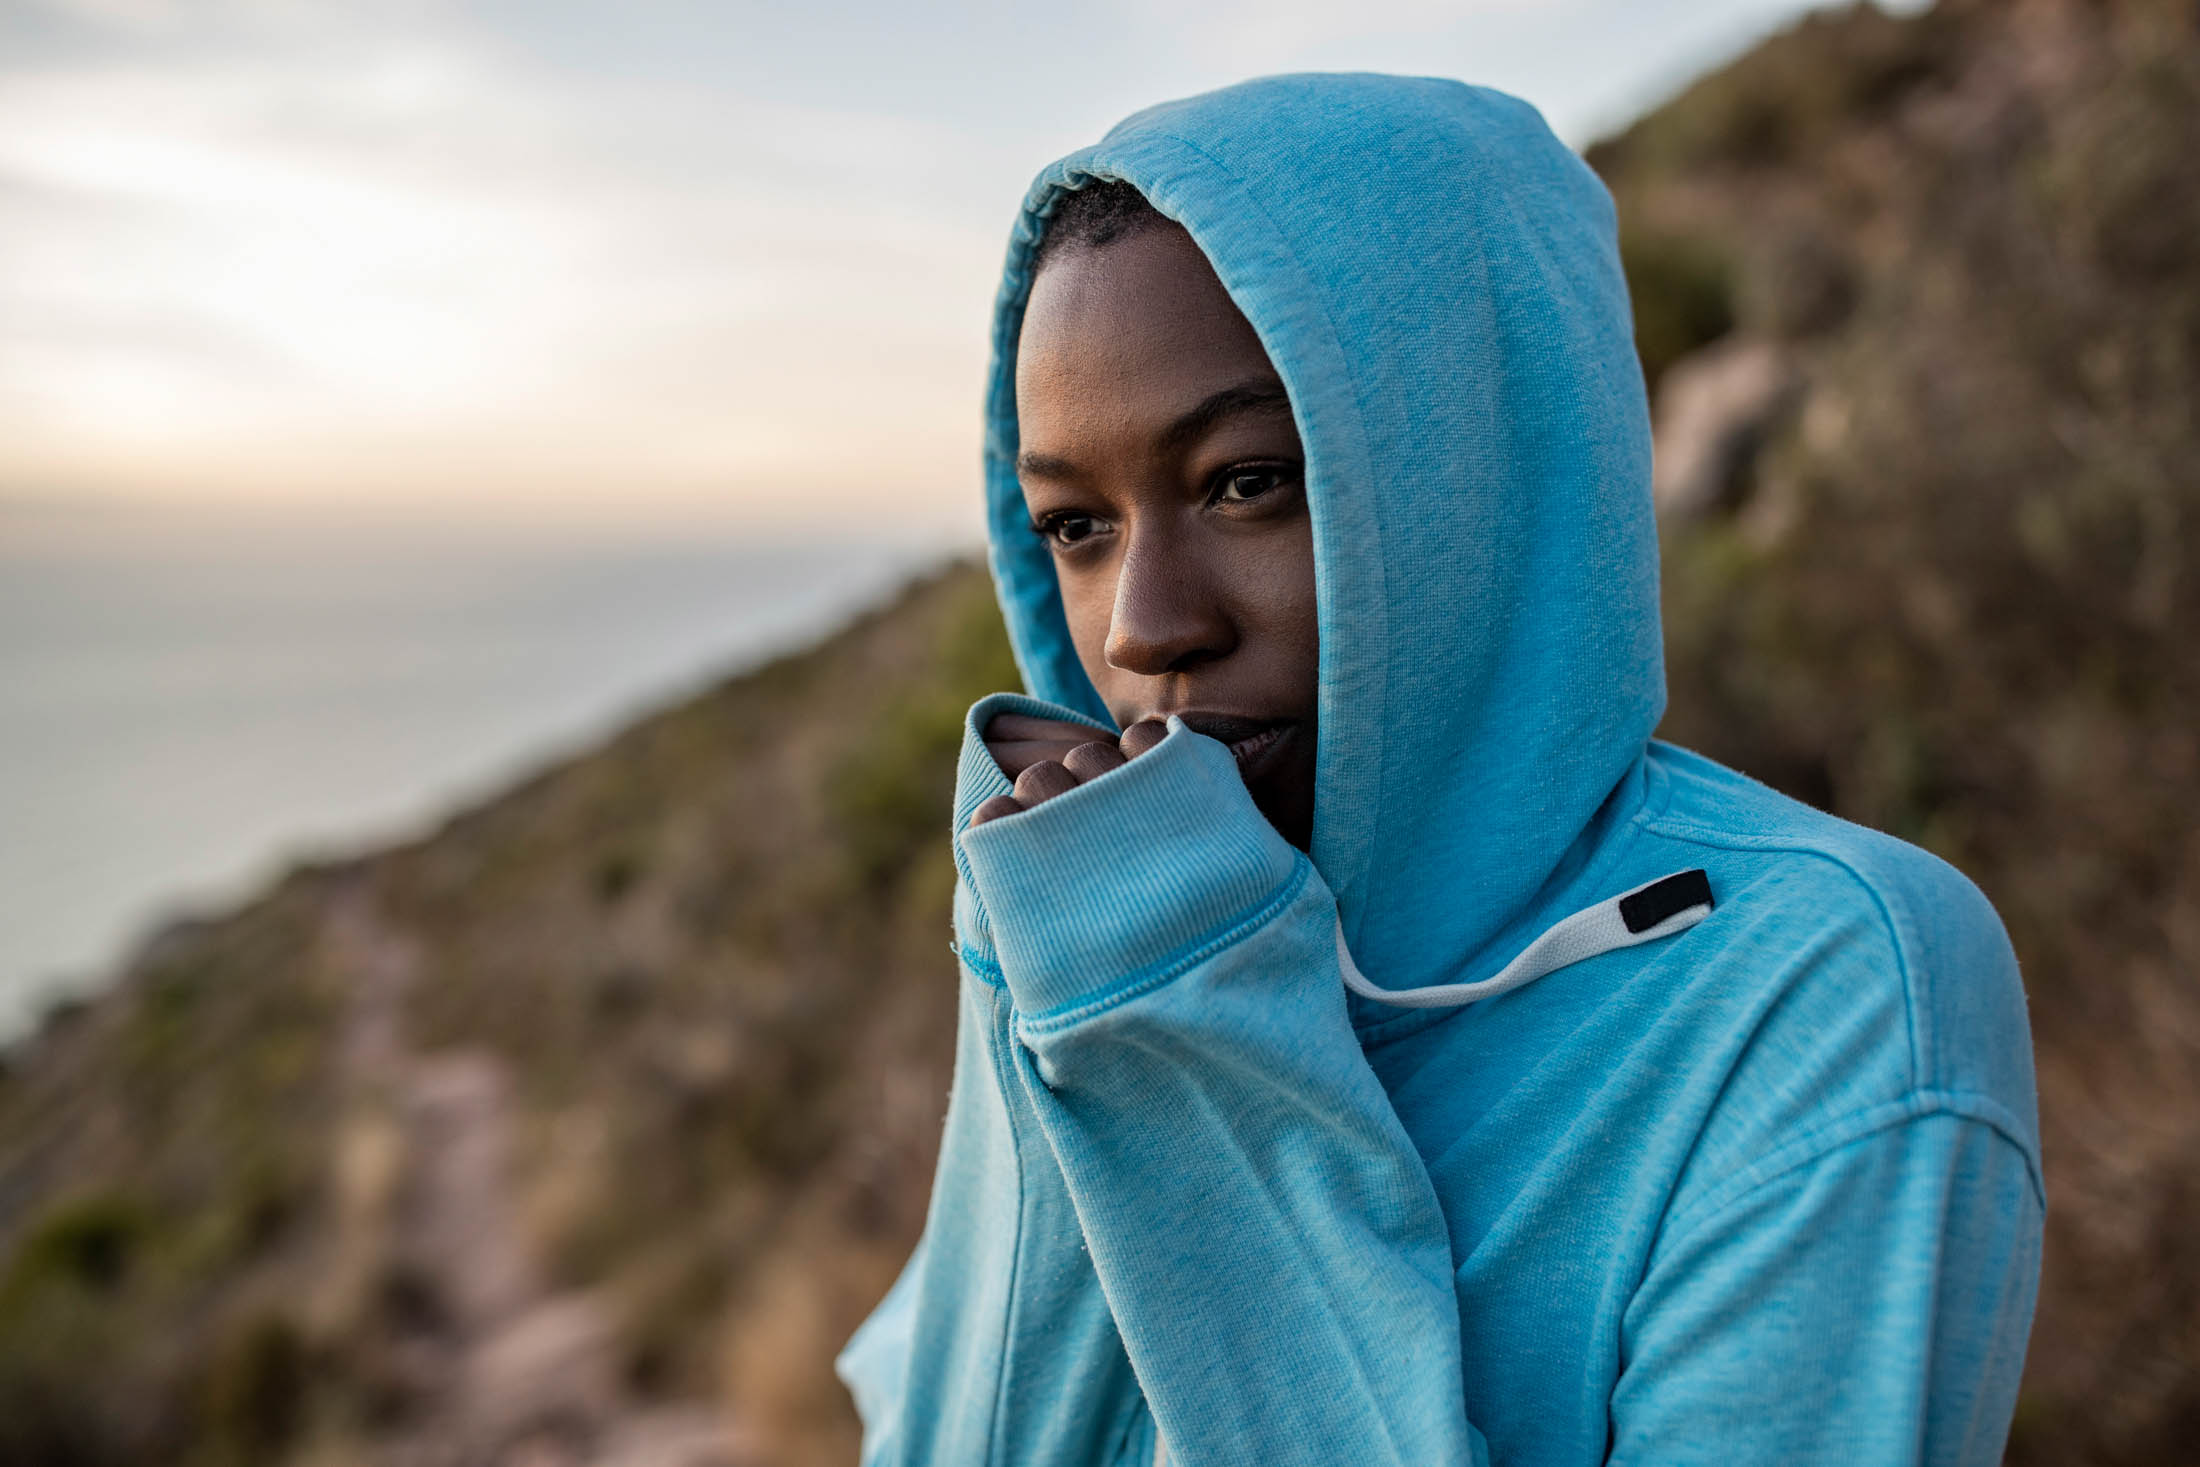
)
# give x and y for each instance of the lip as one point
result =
(1253, 742)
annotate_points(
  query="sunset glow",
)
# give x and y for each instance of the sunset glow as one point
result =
(658, 256)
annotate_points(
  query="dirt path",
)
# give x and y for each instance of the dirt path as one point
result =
(487, 1366)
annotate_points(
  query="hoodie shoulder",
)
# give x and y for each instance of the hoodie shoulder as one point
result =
(1900, 931)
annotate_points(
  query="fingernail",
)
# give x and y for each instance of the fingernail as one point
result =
(1140, 737)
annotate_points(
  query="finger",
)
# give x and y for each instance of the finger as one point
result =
(1091, 760)
(1017, 755)
(1012, 727)
(1017, 741)
(995, 808)
(1042, 782)
(1140, 737)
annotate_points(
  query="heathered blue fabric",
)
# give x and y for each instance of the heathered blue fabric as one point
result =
(1765, 1192)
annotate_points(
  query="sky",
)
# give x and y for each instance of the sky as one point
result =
(621, 258)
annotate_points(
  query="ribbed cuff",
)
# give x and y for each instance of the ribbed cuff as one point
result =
(978, 778)
(1122, 874)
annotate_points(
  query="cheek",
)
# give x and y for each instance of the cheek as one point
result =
(1088, 605)
(1277, 591)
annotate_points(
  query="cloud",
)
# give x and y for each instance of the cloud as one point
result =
(662, 251)
(427, 268)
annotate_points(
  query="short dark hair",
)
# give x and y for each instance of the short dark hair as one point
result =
(1094, 216)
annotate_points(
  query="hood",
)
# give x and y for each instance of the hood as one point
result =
(1436, 278)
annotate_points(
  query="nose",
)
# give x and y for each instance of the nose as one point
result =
(1167, 617)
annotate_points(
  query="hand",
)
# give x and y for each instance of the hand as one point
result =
(1047, 758)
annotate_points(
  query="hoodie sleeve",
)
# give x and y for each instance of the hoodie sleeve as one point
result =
(1865, 1300)
(995, 1347)
(1268, 1242)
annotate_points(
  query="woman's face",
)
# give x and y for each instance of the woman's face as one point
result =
(1160, 462)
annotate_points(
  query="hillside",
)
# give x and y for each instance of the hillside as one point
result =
(585, 1128)
(612, 1102)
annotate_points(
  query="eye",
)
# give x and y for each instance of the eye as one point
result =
(1240, 485)
(1065, 526)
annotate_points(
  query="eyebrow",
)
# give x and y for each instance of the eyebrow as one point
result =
(1261, 395)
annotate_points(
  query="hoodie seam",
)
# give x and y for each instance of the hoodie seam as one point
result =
(1678, 830)
(1157, 975)
(1816, 1145)
(1006, 1083)
(1657, 796)
(982, 966)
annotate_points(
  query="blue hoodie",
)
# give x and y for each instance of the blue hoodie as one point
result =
(1753, 1182)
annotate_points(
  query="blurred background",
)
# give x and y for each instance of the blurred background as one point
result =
(487, 497)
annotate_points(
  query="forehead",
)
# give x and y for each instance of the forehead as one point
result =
(1128, 332)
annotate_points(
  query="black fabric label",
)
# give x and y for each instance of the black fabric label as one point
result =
(1661, 899)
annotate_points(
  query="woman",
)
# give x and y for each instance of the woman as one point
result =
(1384, 1052)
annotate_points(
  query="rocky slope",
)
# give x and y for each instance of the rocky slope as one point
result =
(584, 1129)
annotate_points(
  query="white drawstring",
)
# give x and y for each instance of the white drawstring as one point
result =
(1653, 910)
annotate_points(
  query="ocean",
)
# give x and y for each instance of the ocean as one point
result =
(190, 701)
